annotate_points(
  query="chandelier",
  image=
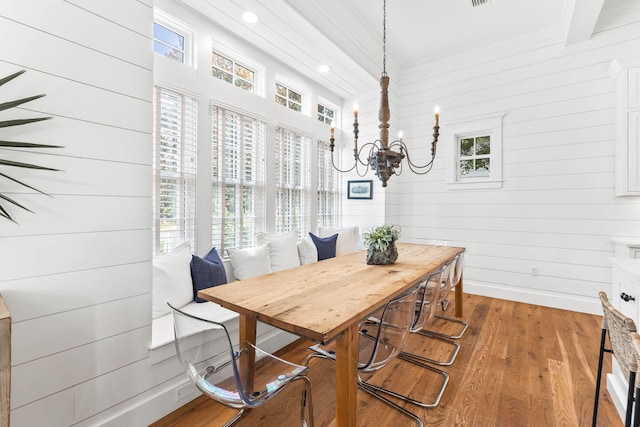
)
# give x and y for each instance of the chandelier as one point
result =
(383, 157)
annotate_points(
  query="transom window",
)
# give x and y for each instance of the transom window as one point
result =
(326, 114)
(288, 98)
(475, 157)
(171, 38)
(168, 43)
(230, 71)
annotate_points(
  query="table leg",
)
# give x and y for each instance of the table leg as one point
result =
(347, 377)
(248, 326)
(459, 307)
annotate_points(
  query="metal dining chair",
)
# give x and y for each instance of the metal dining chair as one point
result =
(428, 298)
(428, 291)
(379, 342)
(452, 282)
(219, 369)
(620, 329)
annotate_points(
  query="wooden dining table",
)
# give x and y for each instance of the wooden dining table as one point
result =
(325, 301)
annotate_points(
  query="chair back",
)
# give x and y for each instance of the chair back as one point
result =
(447, 279)
(220, 370)
(382, 340)
(427, 298)
(620, 329)
(457, 271)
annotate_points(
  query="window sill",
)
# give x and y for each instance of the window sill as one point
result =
(475, 185)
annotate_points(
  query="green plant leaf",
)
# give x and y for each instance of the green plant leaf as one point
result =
(11, 104)
(18, 144)
(18, 122)
(25, 165)
(11, 77)
(4, 213)
(23, 184)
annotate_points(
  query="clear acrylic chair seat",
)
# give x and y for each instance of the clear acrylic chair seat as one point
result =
(241, 376)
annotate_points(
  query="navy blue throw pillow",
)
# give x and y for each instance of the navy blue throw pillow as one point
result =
(326, 246)
(207, 272)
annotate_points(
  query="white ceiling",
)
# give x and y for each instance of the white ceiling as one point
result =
(347, 34)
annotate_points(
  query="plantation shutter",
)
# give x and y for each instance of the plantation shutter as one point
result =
(329, 189)
(237, 178)
(292, 182)
(174, 201)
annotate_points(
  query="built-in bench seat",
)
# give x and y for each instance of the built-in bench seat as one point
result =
(268, 337)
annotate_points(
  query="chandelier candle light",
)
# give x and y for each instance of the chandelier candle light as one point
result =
(381, 156)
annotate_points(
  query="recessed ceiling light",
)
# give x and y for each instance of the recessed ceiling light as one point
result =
(250, 17)
(324, 68)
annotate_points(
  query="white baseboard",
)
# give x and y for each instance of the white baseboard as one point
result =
(160, 401)
(533, 296)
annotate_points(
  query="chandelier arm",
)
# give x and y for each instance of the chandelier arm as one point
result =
(341, 170)
(417, 169)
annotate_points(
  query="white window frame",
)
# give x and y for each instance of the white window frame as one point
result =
(490, 125)
(237, 58)
(223, 156)
(305, 106)
(185, 172)
(288, 182)
(162, 18)
(326, 106)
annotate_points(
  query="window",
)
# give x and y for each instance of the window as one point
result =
(326, 114)
(168, 43)
(329, 190)
(174, 166)
(172, 39)
(476, 153)
(475, 157)
(288, 98)
(237, 178)
(292, 181)
(232, 72)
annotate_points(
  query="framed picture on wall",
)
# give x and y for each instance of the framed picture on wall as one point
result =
(359, 189)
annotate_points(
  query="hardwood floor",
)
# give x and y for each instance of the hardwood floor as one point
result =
(519, 365)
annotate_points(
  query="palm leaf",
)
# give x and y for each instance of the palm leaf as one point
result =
(11, 104)
(18, 122)
(11, 77)
(25, 165)
(23, 184)
(17, 144)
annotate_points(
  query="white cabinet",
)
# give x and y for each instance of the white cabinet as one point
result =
(626, 247)
(626, 73)
(625, 296)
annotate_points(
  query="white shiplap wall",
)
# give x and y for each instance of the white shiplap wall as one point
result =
(76, 275)
(556, 211)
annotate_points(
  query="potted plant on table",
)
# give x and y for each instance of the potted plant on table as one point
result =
(380, 242)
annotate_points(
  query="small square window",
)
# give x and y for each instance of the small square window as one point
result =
(325, 114)
(172, 39)
(230, 71)
(475, 157)
(476, 149)
(288, 98)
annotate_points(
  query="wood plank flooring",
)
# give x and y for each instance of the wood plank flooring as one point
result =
(519, 365)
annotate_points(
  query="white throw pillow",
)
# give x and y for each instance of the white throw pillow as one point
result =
(348, 238)
(172, 280)
(283, 249)
(307, 251)
(251, 262)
